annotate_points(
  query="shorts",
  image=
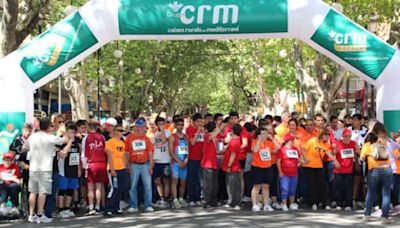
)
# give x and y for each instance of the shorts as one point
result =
(65, 183)
(97, 174)
(177, 172)
(40, 182)
(242, 164)
(162, 170)
(261, 175)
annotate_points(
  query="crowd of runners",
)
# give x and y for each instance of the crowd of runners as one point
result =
(273, 162)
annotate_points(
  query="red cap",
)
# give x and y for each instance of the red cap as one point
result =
(347, 131)
(8, 155)
(289, 137)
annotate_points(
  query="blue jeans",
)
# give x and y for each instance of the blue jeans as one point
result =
(193, 180)
(288, 186)
(143, 171)
(396, 189)
(328, 167)
(49, 205)
(383, 176)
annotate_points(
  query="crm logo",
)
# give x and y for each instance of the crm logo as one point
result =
(189, 14)
(349, 42)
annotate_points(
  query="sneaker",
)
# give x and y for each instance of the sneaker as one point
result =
(14, 211)
(333, 204)
(314, 207)
(32, 218)
(132, 210)
(246, 199)
(327, 207)
(293, 207)
(70, 213)
(149, 209)
(255, 208)
(226, 206)
(268, 208)
(360, 204)
(284, 207)
(237, 208)
(192, 204)
(276, 206)
(64, 214)
(92, 212)
(183, 203)
(386, 221)
(162, 204)
(108, 214)
(176, 204)
(366, 218)
(347, 208)
(198, 203)
(338, 208)
(396, 210)
(44, 219)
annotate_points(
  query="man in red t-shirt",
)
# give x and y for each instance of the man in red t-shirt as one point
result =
(195, 133)
(10, 186)
(345, 150)
(94, 159)
(232, 167)
(209, 164)
(140, 150)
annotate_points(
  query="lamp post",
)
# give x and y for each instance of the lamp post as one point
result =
(373, 27)
(100, 73)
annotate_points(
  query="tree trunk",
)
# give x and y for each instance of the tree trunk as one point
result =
(75, 84)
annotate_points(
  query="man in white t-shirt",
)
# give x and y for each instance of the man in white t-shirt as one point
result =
(162, 159)
(41, 146)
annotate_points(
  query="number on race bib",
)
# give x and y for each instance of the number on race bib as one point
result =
(292, 154)
(139, 145)
(347, 153)
(73, 159)
(265, 155)
(183, 150)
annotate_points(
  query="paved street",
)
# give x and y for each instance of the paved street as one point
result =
(197, 217)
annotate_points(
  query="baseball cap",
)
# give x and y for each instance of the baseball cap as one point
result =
(8, 155)
(289, 137)
(140, 122)
(347, 131)
(111, 122)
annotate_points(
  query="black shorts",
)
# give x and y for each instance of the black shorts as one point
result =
(261, 175)
(162, 170)
(242, 163)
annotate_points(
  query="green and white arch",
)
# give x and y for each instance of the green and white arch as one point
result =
(101, 21)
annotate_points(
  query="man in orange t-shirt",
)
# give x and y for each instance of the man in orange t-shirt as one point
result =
(140, 150)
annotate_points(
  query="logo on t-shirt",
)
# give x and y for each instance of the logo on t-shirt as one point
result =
(95, 145)
(200, 137)
(292, 154)
(347, 153)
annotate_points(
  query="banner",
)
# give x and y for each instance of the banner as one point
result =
(55, 47)
(353, 44)
(11, 124)
(185, 17)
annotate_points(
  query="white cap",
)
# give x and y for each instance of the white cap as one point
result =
(111, 122)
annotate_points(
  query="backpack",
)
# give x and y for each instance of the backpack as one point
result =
(379, 152)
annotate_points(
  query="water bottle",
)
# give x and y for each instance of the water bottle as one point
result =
(115, 182)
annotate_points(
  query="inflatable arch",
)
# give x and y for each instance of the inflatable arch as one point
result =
(101, 21)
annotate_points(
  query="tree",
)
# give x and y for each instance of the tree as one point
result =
(18, 20)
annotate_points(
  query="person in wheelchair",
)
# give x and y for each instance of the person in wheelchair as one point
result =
(10, 185)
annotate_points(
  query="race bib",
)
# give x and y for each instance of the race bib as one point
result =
(183, 150)
(162, 149)
(73, 159)
(292, 154)
(200, 137)
(139, 145)
(265, 155)
(7, 175)
(220, 146)
(347, 153)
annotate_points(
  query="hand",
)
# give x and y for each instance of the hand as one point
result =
(113, 173)
(183, 165)
(79, 173)
(228, 170)
(151, 171)
(18, 181)
(129, 169)
(337, 164)
(333, 145)
(26, 166)
(281, 174)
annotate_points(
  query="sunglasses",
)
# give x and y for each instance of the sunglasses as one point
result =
(120, 130)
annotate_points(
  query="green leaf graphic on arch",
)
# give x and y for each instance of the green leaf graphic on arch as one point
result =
(60, 44)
